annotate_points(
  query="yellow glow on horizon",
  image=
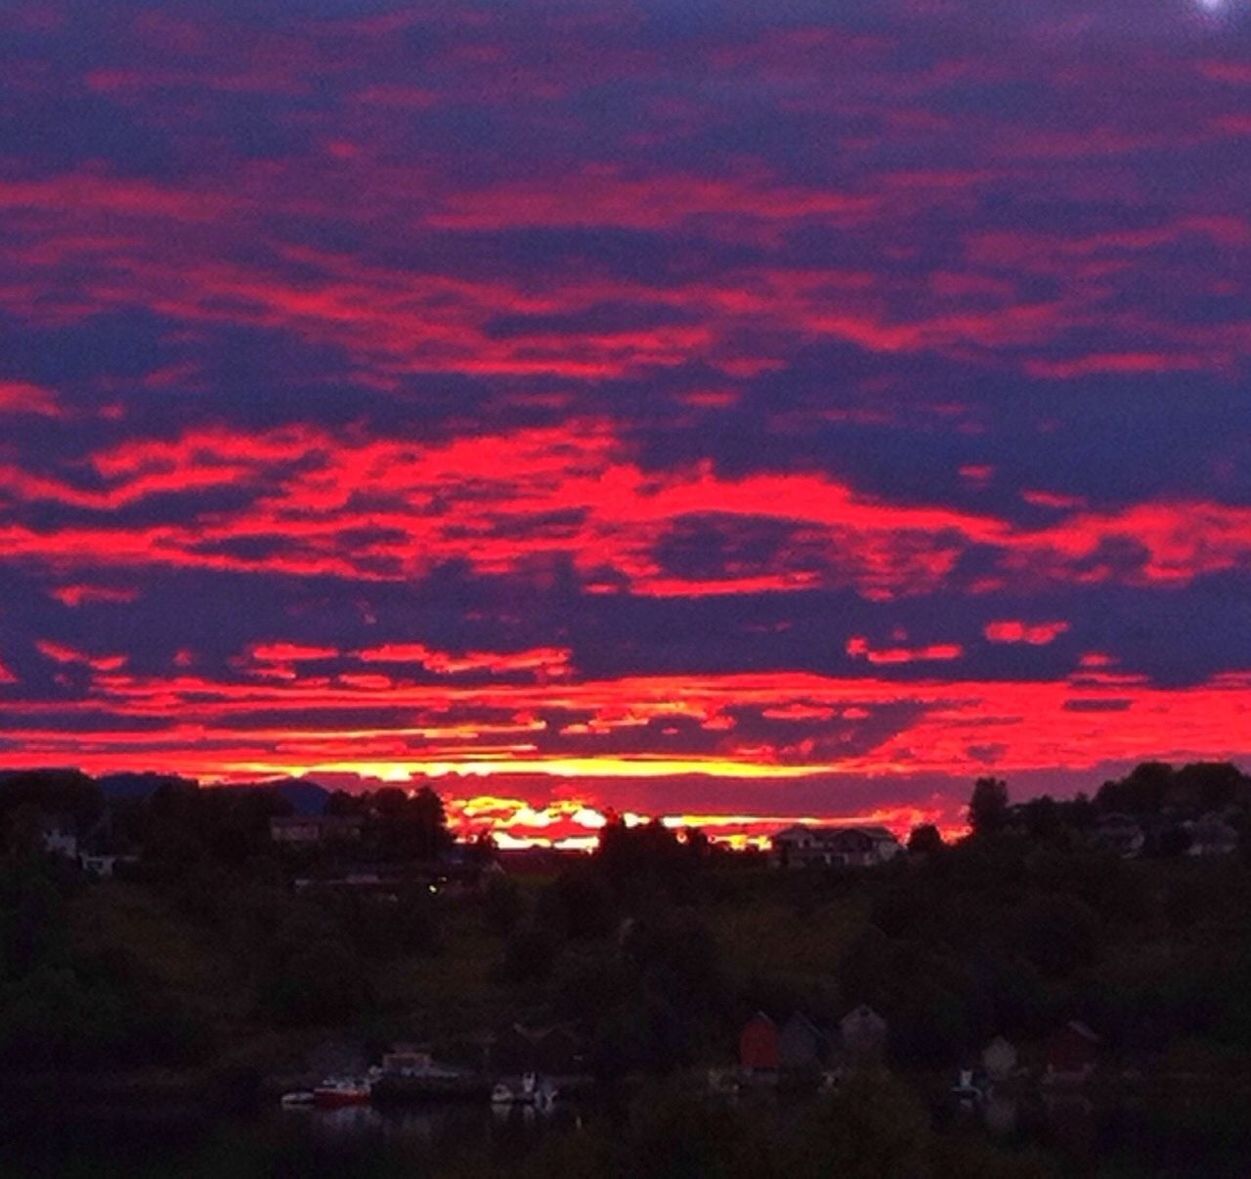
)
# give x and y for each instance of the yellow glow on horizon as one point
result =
(556, 767)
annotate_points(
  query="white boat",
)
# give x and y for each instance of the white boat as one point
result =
(531, 1091)
(297, 1099)
(965, 1089)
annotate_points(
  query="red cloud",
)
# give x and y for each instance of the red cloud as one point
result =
(59, 653)
(549, 661)
(1036, 634)
(858, 648)
(574, 493)
(1051, 499)
(1178, 541)
(289, 652)
(1118, 362)
(603, 196)
(953, 728)
(76, 595)
(1097, 659)
(18, 397)
(92, 193)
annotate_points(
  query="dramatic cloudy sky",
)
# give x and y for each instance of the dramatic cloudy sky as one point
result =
(702, 408)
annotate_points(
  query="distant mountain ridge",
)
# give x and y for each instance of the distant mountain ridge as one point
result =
(135, 787)
(305, 797)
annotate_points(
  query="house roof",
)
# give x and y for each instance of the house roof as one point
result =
(540, 1032)
(879, 833)
(793, 831)
(825, 834)
(863, 1013)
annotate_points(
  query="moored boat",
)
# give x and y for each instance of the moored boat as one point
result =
(531, 1091)
(416, 1077)
(338, 1091)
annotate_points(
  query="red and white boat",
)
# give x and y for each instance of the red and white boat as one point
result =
(338, 1091)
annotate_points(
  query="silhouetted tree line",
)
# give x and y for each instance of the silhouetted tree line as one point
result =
(206, 857)
(1015, 929)
(399, 825)
(175, 824)
(618, 944)
(61, 1007)
(1157, 795)
(1018, 927)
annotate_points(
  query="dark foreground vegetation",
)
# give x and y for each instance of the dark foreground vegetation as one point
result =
(200, 969)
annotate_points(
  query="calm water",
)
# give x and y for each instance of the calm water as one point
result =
(1197, 1135)
(344, 1143)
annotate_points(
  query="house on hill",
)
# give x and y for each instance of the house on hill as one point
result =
(1072, 1054)
(105, 864)
(1120, 834)
(798, 846)
(58, 836)
(862, 847)
(758, 1045)
(999, 1059)
(801, 846)
(801, 1045)
(1211, 835)
(863, 1033)
(311, 830)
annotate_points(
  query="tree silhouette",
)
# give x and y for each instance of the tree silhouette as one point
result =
(925, 840)
(988, 806)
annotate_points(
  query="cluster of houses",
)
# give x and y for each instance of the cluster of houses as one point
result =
(770, 1051)
(310, 831)
(802, 846)
(1211, 834)
(94, 852)
(455, 871)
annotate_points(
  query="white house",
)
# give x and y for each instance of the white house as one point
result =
(1210, 835)
(800, 846)
(999, 1059)
(862, 1032)
(104, 865)
(307, 830)
(60, 838)
(1120, 834)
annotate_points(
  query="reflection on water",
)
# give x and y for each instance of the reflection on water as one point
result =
(1001, 1115)
(1173, 1134)
(421, 1123)
(344, 1142)
(1159, 1130)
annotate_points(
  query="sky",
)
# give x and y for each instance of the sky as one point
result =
(720, 410)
